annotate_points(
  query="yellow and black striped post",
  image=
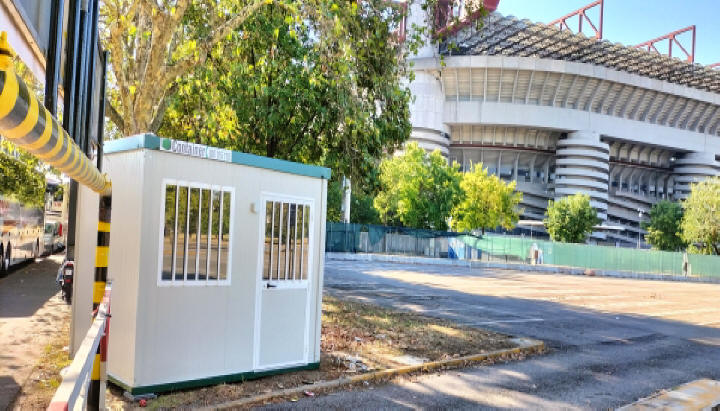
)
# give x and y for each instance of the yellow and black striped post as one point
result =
(28, 124)
(101, 263)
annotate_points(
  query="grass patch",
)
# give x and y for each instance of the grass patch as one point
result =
(385, 338)
(356, 338)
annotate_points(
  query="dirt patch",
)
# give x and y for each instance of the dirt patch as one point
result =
(44, 379)
(356, 338)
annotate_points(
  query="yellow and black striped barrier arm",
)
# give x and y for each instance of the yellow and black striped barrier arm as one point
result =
(28, 124)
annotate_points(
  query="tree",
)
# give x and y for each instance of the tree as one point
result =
(701, 222)
(362, 210)
(315, 81)
(417, 189)
(487, 202)
(21, 179)
(153, 43)
(664, 230)
(571, 218)
(334, 201)
(275, 87)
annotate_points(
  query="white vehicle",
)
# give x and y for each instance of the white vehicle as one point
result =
(53, 239)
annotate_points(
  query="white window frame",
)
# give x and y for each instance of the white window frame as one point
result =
(266, 197)
(195, 283)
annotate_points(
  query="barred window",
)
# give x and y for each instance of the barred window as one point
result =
(196, 234)
(287, 241)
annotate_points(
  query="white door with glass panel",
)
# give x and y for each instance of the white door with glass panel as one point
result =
(282, 314)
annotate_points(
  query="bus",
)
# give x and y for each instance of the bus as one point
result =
(22, 230)
(22, 215)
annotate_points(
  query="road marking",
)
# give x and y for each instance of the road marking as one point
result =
(523, 320)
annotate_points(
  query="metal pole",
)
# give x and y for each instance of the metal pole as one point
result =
(70, 67)
(52, 71)
(78, 128)
(101, 111)
(90, 76)
(70, 112)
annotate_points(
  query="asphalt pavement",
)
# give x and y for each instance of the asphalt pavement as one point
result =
(612, 341)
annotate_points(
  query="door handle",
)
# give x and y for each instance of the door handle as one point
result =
(271, 285)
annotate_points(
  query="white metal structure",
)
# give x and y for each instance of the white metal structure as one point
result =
(561, 113)
(72, 392)
(208, 286)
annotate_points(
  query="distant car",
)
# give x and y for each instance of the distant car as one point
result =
(52, 239)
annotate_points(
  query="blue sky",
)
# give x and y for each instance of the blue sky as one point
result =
(636, 21)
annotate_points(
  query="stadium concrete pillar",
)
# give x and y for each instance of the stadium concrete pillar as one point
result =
(427, 110)
(582, 166)
(692, 168)
(426, 113)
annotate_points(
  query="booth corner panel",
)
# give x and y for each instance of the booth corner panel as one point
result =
(216, 262)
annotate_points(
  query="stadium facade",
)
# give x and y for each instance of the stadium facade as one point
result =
(562, 113)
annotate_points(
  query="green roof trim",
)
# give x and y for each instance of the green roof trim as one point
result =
(153, 142)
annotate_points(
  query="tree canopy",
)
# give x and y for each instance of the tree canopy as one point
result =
(571, 219)
(418, 189)
(487, 202)
(152, 44)
(664, 230)
(292, 88)
(701, 222)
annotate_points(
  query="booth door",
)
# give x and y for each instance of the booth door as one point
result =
(283, 304)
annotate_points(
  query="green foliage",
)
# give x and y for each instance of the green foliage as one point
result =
(334, 201)
(417, 189)
(663, 230)
(323, 84)
(701, 222)
(21, 180)
(487, 202)
(362, 210)
(571, 218)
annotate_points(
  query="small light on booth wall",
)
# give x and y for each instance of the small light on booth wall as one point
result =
(672, 159)
(254, 207)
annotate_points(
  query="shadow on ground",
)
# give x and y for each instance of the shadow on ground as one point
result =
(28, 286)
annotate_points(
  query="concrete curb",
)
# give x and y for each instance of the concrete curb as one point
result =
(548, 269)
(525, 346)
(696, 395)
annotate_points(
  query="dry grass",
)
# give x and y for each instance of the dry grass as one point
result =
(383, 338)
(356, 338)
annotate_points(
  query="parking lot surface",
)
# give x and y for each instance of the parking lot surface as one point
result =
(612, 340)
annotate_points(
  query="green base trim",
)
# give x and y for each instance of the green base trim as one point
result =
(204, 382)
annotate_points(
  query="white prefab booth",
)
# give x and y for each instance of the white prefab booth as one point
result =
(216, 263)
